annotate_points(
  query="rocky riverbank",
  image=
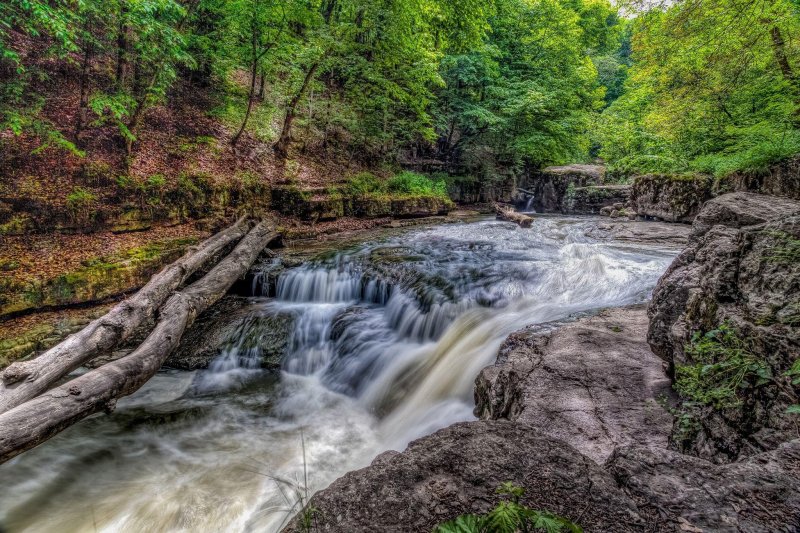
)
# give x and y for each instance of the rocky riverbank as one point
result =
(584, 417)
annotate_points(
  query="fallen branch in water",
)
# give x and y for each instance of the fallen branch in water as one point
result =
(24, 380)
(35, 421)
(508, 214)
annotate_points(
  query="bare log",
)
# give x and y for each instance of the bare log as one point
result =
(504, 213)
(35, 421)
(24, 380)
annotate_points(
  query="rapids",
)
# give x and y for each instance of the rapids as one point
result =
(388, 338)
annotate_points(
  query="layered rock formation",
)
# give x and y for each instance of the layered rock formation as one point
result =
(672, 198)
(741, 269)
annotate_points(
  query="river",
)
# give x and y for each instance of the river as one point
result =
(387, 339)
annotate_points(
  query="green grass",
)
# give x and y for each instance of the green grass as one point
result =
(403, 185)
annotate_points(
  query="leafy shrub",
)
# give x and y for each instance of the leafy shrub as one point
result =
(413, 184)
(723, 365)
(509, 517)
(79, 204)
(364, 184)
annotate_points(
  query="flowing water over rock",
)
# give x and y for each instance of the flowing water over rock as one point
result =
(386, 342)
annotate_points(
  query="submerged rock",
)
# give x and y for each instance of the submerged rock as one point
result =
(458, 469)
(741, 269)
(593, 384)
(230, 323)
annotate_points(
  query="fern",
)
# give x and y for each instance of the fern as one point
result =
(509, 517)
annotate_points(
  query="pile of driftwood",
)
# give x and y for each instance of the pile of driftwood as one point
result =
(508, 214)
(34, 407)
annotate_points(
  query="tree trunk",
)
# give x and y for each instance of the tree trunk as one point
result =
(509, 215)
(261, 86)
(251, 95)
(83, 102)
(24, 380)
(282, 146)
(34, 422)
(779, 49)
(122, 46)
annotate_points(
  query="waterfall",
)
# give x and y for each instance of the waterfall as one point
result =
(384, 345)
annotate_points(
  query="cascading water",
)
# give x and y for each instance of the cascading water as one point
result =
(386, 342)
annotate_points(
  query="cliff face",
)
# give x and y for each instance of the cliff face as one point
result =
(726, 317)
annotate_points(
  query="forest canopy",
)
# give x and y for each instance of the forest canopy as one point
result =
(480, 90)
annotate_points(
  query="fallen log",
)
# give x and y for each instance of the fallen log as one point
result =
(24, 380)
(504, 213)
(35, 421)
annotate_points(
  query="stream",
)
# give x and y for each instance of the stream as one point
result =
(386, 340)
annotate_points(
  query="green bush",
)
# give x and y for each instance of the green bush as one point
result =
(509, 517)
(364, 184)
(413, 184)
(723, 365)
(79, 204)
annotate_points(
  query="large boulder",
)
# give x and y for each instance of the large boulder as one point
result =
(593, 383)
(759, 494)
(590, 200)
(549, 186)
(740, 274)
(673, 198)
(458, 469)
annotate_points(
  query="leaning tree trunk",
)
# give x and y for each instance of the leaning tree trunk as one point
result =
(32, 423)
(285, 139)
(24, 380)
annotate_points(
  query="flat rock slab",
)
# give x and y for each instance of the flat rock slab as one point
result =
(458, 469)
(594, 383)
(664, 234)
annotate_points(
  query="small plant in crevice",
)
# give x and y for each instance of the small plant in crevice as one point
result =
(723, 365)
(787, 249)
(794, 374)
(510, 516)
(80, 204)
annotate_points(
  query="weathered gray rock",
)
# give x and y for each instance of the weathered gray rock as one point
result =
(673, 198)
(737, 268)
(782, 179)
(551, 184)
(652, 233)
(593, 384)
(758, 495)
(457, 470)
(592, 199)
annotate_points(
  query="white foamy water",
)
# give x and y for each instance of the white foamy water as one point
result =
(387, 341)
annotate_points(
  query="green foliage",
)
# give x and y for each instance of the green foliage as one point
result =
(722, 365)
(80, 203)
(712, 87)
(364, 184)
(413, 184)
(509, 517)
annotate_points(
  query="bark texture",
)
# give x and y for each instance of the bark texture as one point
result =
(24, 380)
(32, 423)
